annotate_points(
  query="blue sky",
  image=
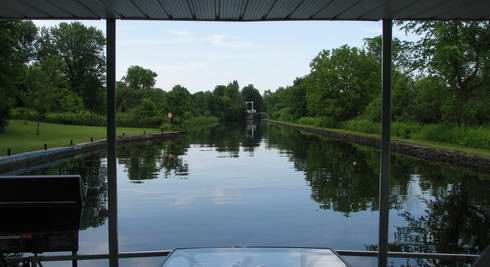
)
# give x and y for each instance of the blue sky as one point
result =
(200, 55)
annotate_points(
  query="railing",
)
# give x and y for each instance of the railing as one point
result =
(162, 253)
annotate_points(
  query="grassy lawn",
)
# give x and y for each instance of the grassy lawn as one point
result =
(20, 137)
(430, 144)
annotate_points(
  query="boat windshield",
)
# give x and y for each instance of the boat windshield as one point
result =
(253, 257)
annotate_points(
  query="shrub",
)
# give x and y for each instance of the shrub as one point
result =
(329, 122)
(199, 121)
(89, 118)
(286, 114)
(363, 126)
(82, 118)
(404, 129)
(478, 137)
(4, 116)
(310, 121)
(136, 120)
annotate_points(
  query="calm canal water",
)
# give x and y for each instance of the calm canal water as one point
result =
(270, 186)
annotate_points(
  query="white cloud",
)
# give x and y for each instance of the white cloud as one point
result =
(187, 38)
(181, 33)
(226, 41)
(180, 66)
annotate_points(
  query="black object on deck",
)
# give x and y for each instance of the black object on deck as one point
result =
(41, 191)
(39, 230)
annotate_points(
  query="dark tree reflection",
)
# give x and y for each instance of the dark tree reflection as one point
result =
(93, 170)
(140, 161)
(344, 177)
(456, 218)
(171, 160)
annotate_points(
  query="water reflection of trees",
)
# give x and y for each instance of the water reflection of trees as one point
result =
(228, 139)
(147, 161)
(94, 172)
(456, 218)
(344, 177)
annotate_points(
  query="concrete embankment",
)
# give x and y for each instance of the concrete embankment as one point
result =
(455, 158)
(27, 159)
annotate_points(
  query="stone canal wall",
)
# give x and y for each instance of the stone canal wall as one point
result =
(28, 159)
(460, 159)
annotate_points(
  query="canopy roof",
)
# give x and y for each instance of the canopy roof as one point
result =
(247, 10)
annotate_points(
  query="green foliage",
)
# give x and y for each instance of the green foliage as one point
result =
(313, 121)
(146, 109)
(293, 97)
(405, 129)
(66, 100)
(478, 137)
(81, 50)
(88, 118)
(82, 118)
(4, 113)
(442, 79)
(285, 114)
(139, 78)
(133, 120)
(179, 100)
(250, 93)
(457, 52)
(431, 101)
(16, 49)
(465, 136)
(229, 102)
(342, 82)
(200, 121)
(43, 80)
(363, 126)
(325, 122)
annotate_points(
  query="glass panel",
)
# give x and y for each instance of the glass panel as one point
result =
(252, 257)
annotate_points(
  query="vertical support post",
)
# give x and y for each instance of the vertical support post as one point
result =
(111, 141)
(384, 177)
(74, 262)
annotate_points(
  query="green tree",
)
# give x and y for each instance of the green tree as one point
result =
(250, 93)
(81, 50)
(229, 101)
(43, 79)
(65, 100)
(456, 51)
(17, 39)
(400, 52)
(146, 109)
(204, 103)
(342, 82)
(139, 78)
(179, 100)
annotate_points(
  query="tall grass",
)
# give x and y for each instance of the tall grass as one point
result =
(88, 118)
(325, 122)
(469, 136)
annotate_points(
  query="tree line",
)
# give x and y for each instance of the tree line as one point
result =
(440, 78)
(57, 74)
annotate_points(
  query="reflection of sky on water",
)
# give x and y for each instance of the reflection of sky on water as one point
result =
(222, 188)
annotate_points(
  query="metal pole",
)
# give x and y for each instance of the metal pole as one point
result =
(111, 141)
(74, 262)
(384, 177)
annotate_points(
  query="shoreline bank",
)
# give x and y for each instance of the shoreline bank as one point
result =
(27, 159)
(421, 151)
